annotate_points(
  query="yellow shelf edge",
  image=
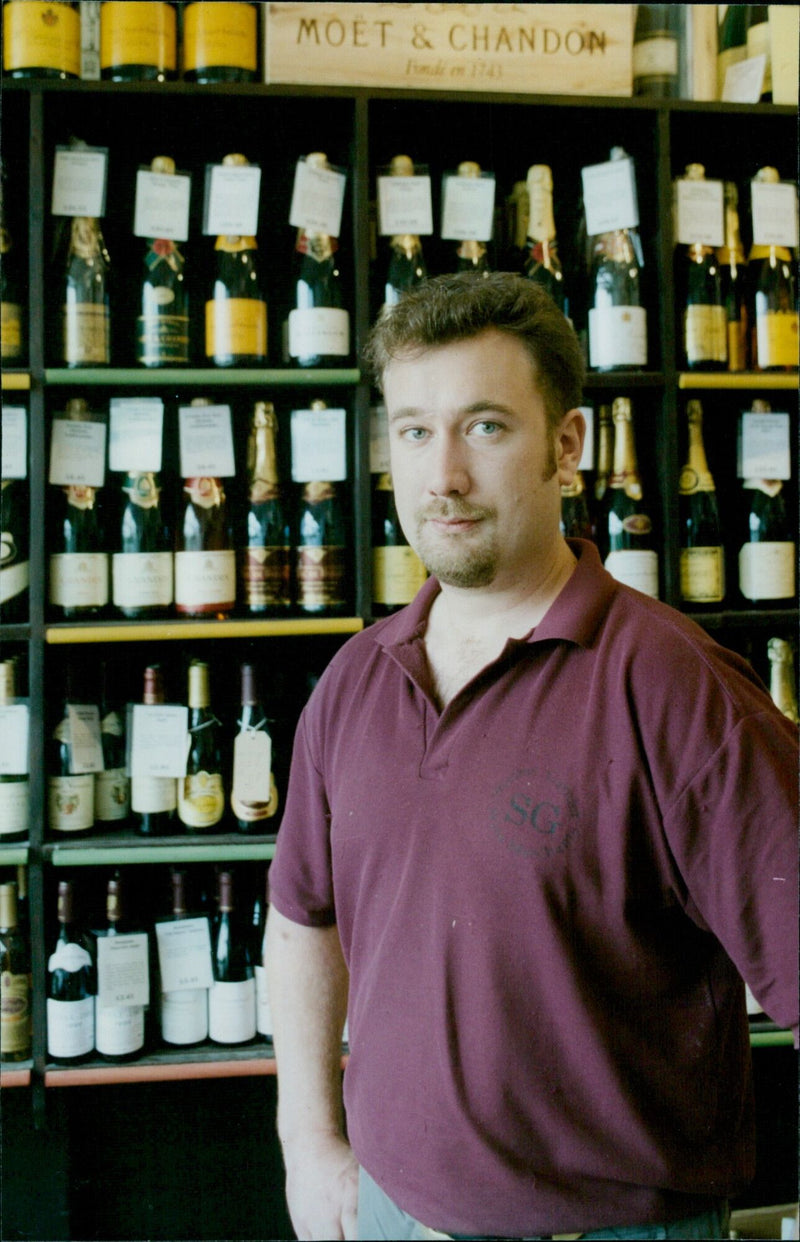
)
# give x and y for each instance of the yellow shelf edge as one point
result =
(737, 380)
(155, 631)
(15, 381)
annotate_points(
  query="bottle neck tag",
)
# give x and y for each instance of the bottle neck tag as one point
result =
(252, 766)
(122, 970)
(184, 954)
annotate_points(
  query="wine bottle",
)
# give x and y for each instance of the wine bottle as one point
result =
(517, 214)
(41, 40)
(732, 42)
(78, 563)
(617, 319)
(15, 981)
(236, 312)
(71, 987)
(702, 561)
(162, 338)
(471, 256)
(265, 552)
(138, 42)
(656, 50)
(183, 1011)
(259, 937)
(14, 550)
(86, 307)
(254, 793)
(767, 546)
(705, 322)
(773, 301)
(205, 558)
(232, 996)
(220, 41)
(631, 557)
(12, 336)
(543, 265)
(70, 795)
(733, 266)
(119, 1030)
(142, 567)
(319, 326)
(782, 683)
(112, 789)
(154, 799)
(201, 798)
(397, 571)
(758, 44)
(406, 261)
(605, 465)
(14, 787)
(576, 522)
(320, 547)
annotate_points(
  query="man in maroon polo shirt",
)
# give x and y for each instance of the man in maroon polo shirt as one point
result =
(539, 827)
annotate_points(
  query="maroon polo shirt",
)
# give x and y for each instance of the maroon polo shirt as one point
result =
(546, 895)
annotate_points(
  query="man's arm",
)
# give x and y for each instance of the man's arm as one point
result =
(307, 979)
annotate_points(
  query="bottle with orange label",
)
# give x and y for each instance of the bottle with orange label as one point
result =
(236, 312)
(220, 41)
(41, 40)
(138, 41)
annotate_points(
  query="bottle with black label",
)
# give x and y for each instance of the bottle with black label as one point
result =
(406, 261)
(41, 40)
(142, 557)
(183, 1011)
(543, 265)
(15, 981)
(232, 996)
(617, 318)
(773, 301)
(631, 558)
(112, 790)
(656, 50)
(220, 41)
(702, 563)
(71, 987)
(236, 312)
(162, 336)
(472, 255)
(154, 799)
(119, 1029)
(78, 561)
(767, 548)
(397, 571)
(705, 321)
(319, 326)
(138, 41)
(201, 797)
(265, 539)
(70, 794)
(733, 269)
(14, 787)
(86, 304)
(254, 793)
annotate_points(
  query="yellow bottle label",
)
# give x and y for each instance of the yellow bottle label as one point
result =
(137, 34)
(236, 326)
(777, 339)
(37, 35)
(86, 333)
(706, 334)
(767, 570)
(10, 330)
(15, 1012)
(737, 345)
(219, 34)
(201, 800)
(397, 575)
(702, 575)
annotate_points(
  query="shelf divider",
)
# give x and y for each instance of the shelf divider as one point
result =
(207, 377)
(183, 849)
(159, 631)
(738, 379)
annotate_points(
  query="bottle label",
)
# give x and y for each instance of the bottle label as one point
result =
(320, 577)
(14, 579)
(703, 575)
(618, 336)
(70, 1027)
(777, 339)
(70, 802)
(142, 579)
(39, 35)
(737, 345)
(70, 956)
(232, 1012)
(725, 59)
(705, 334)
(767, 570)
(656, 57)
(79, 579)
(137, 34)
(86, 333)
(184, 1016)
(265, 574)
(201, 799)
(112, 795)
(638, 569)
(118, 1029)
(15, 1012)
(205, 581)
(151, 794)
(263, 1011)
(397, 575)
(163, 338)
(10, 331)
(219, 34)
(14, 806)
(236, 327)
(319, 330)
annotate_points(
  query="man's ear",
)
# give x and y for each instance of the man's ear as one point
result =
(570, 435)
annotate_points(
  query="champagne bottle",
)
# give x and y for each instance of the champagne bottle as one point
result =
(617, 319)
(254, 793)
(119, 1030)
(732, 42)
(70, 795)
(733, 266)
(397, 571)
(71, 987)
(767, 547)
(14, 787)
(705, 322)
(320, 547)
(631, 557)
(543, 265)
(517, 214)
(205, 558)
(14, 551)
(605, 465)
(142, 562)
(236, 312)
(782, 684)
(138, 42)
(319, 326)
(154, 799)
(201, 798)
(702, 562)
(78, 563)
(471, 255)
(406, 260)
(86, 308)
(41, 40)
(758, 44)
(112, 789)
(576, 522)
(162, 337)
(773, 302)
(184, 1011)
(12, 334)
(15, 981)
(265, 553)
(232, 996)
(220, 41)
(656, 50)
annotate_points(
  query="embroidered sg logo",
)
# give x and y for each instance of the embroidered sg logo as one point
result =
(534, 814)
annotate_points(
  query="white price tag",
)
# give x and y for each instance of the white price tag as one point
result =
(764, 446)
(15, 442)
(158, 739)
(123, 976)
(162, 205)
(184, 954)
(14, 739)
(317, 199)
(379, 459)
(231, 200)
(744, 80)
(587, 456)
(206, 440)
(319, 445)
(77, 453)
(404, 205)
(700, 212)
(79, 182)
(774, 213)
(252, 766)
(467, 207)
(609, 195)
(135, 431)
(86, 748)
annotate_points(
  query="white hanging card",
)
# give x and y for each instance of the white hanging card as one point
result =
(774, 213)
(77, 453)
(15, 442)
(319, 445)
(123, 976)
(158, 739)
(252, 765)
(467, 207)
(609, 196)
(135, 431)
(317, 199)
(744, 80)
(700, 212)
(184, 954)
(206, 439)
(764, 446)
(79, 182)
(86, 748)
(404, 205)
(162, 205)
(14, 739)
(587, 456)
(379, 461)
(231, 200)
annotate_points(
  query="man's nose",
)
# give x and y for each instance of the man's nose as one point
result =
(449, 472)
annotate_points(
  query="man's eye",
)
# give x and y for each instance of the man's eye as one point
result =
(414, 434)
(486, 427)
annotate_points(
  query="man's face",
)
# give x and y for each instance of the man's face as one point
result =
(476, 473)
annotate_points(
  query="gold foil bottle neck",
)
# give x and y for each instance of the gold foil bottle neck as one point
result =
(235, 161)
(695, 172)
(402, 166)
(163, 164)
(468, 168)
